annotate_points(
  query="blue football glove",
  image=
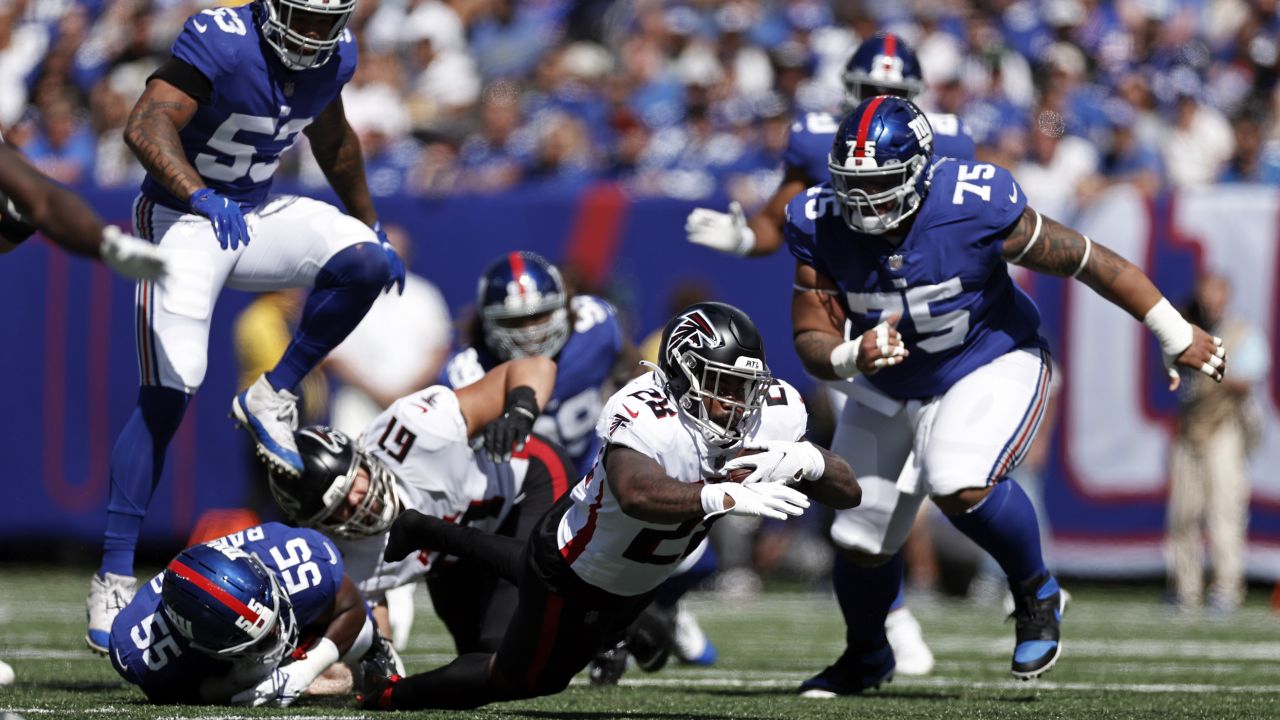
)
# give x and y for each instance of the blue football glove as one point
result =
(393, 259)
(228, 221)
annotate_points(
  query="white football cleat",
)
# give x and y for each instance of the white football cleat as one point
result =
(270, 416)
(909, 648)
(692, 646)
(107, 597)
(6, 674)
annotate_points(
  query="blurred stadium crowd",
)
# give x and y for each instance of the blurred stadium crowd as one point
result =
(685, 98)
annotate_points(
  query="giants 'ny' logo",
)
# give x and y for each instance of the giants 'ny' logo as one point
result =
(693, 331)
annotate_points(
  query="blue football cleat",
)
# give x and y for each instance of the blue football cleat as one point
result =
(271, 417)
(851, 674)
(1037, 610)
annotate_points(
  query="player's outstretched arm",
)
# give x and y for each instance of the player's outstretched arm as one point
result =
(152, 134)
(837, 487)
(484, 400)
(1045, 245)
(767, 222)
(817, 321)
(337, 150)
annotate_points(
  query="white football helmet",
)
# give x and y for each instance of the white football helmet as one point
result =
(286, 25)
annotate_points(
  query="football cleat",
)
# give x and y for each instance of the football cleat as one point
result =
(107, 597)
(270, 416)
(378, 666)
(851, 675)
(910, 652)
(607, 666)
(377, 694)
(1037, 611)
(650, 638)
(692, 646)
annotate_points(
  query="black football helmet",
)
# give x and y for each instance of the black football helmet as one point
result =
(330, 464)
(713, 351)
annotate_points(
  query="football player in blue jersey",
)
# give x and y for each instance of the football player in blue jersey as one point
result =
(950, 373)
(209, 128)
(251, 618)
(525, 310)
(882, 65)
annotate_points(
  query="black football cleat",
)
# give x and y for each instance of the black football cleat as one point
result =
(851, 674)
(1037, 611)
(608, 665)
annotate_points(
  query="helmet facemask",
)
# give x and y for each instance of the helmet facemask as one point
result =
(296, 50)
(738, 389)
(510, 335)
(378, 507)
(873, 199)
(860, 85)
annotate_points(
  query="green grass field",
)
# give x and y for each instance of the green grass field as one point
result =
(1125, 656)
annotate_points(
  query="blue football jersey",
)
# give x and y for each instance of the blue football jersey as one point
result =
(257, 108)
(812, 134)
(947, 280)
(147, 652)
(583, 367)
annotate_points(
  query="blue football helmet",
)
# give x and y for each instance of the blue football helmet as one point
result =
(287, 25)
(882, 65)
(523, 307)
(228, 604)
(879, 163)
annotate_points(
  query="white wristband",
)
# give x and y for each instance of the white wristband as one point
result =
(1169, 327)
(844, 359)
(746, 242)
(319, 657)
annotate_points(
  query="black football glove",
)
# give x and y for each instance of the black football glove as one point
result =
(509, 432)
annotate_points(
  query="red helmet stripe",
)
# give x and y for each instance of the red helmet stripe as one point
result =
(517, 269)
(212, 588)
(890, 44)
(864, 124)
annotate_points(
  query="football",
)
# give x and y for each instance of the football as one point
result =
(737, 475)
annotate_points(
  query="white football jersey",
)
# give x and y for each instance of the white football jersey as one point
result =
(625, 556)
(422, 439)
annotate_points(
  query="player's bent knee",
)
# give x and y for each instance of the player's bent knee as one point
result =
(865, 559)
(363, 265)
(961, 501)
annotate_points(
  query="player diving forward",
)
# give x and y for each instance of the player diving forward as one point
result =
(248, 619)
(417, 455)
(241, 84)
(593, 562)
(951, 373)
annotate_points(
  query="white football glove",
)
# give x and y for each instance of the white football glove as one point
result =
(726, 232)
(279, 689)
(131, 256)
(780, 461)
(771, 500)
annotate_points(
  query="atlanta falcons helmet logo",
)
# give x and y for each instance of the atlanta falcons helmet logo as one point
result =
(693, 331)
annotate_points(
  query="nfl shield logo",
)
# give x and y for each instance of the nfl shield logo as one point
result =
(895, 262)
(288, 89)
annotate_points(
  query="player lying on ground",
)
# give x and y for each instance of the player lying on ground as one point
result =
(29, 201)
(593, 562)
(951, 372)
(251, 618)
(417, 455)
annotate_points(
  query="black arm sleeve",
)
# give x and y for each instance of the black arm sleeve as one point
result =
(13, 227)
(185, 77)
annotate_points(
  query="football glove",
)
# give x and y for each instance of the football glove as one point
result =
(279, 689)
(780, 461)
(508, 432)
(726, 232)
(393, 259)
(228, 221)
(130, 256)
(770, 500)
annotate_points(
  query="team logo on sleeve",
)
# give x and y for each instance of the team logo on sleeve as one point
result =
(694, 331)
(619, 421)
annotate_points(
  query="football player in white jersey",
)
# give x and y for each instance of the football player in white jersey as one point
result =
(671, 439)
(418, 455)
